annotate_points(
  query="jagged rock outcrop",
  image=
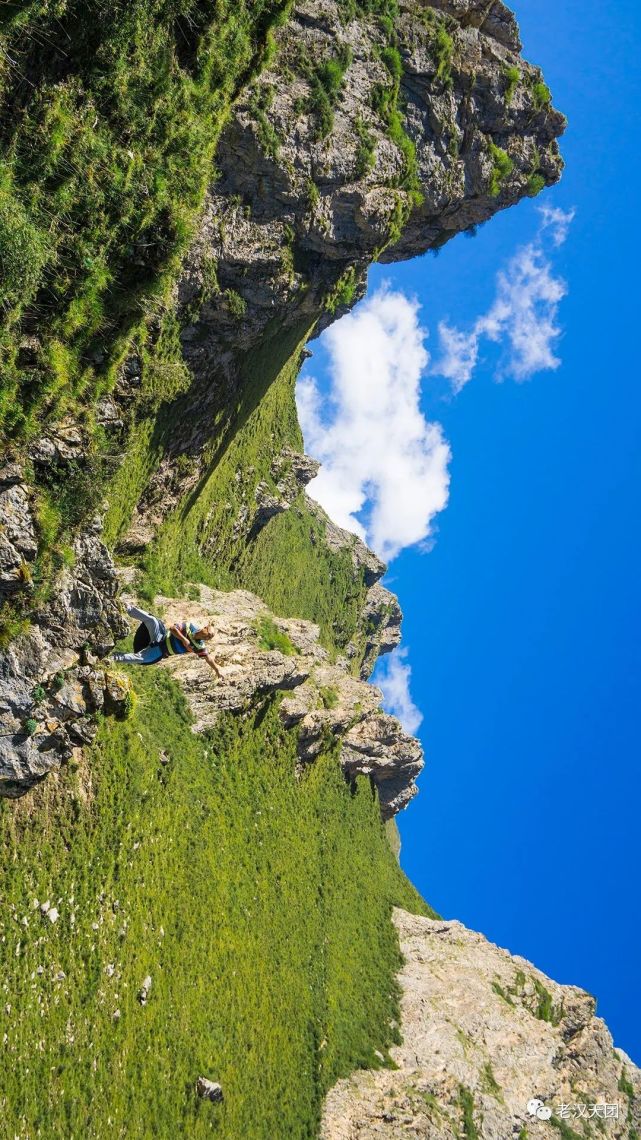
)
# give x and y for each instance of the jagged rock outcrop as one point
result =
(51, 684)
(324, 700)
(291, 472)
(484, 1035)
(379, 623)
(297, 205)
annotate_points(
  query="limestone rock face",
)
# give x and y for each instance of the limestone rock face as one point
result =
(485, 1034)
(50, 679)
(323, 698)
(18, 543)
(380, 624)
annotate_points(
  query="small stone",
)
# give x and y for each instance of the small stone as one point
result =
(209, 1090)
(60, 976)
(143, 992)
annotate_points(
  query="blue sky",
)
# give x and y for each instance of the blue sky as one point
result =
(522, 621)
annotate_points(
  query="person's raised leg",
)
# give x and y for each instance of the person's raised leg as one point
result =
(155, 627)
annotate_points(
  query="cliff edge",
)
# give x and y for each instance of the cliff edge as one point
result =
(492, 1050)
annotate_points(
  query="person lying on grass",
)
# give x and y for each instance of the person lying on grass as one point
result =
(183, 637)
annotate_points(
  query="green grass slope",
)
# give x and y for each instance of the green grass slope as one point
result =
(258, 902)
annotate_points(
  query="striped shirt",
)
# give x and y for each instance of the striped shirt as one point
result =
(188, 630)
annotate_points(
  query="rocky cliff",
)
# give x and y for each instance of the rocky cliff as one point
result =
(323, 701)
(492, 1050)
(375, 131)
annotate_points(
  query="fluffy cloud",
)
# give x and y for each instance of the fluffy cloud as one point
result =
(523, 317)
(393, 676)
(385, 467)
(382, 460)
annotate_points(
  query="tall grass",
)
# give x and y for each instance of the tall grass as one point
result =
(257, 901)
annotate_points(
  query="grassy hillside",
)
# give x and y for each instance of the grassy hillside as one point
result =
(110, 115)
(109, 119)
(258, 902)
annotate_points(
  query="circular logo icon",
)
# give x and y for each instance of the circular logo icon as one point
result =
(537, 1108)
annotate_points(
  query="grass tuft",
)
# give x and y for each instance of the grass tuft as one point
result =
(271, 637)
(502, 167)
(512, 77)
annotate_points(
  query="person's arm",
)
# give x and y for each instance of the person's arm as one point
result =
(212, 665)
(181, 637)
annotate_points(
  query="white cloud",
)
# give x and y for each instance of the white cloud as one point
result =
(523, 317)
(393, 676)
(381, 458)
(557, 221)
(384, 471)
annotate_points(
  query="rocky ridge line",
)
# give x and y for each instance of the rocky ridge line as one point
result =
(296, 217)
(484, 1034)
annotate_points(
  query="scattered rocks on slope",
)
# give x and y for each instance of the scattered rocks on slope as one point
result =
(485, 1033)
(143, 992)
